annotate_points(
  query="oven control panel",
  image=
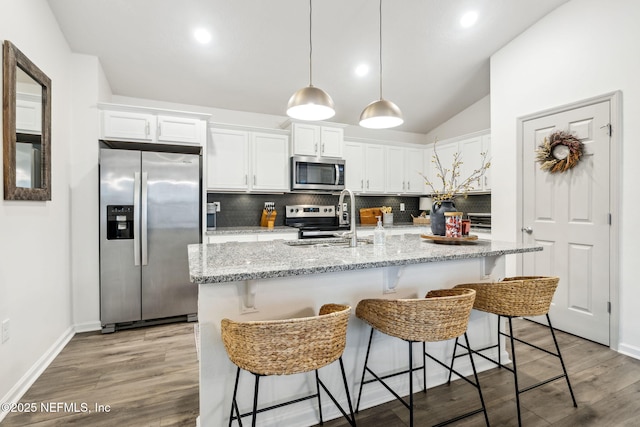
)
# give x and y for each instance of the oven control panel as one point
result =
(310, 211)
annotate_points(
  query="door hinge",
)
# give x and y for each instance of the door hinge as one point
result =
(609, 307)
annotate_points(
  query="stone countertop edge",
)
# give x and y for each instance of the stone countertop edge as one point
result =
(284, 228)
(236, 261)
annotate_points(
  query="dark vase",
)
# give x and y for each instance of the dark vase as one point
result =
(437, 216)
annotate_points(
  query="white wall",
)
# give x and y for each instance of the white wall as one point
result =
(35, 290)
(476, 117)
(583, 49)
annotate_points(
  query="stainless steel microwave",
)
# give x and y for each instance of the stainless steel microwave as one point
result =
(317, 174)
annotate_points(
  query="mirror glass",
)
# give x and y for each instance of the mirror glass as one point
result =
(26, 128)
(28, 131)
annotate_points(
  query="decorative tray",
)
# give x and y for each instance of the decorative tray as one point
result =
(471, 238)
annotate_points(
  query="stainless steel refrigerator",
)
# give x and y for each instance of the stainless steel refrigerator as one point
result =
(149, 213)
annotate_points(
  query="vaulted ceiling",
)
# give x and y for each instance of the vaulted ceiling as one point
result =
(258, 56)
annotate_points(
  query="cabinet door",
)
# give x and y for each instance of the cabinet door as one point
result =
(180, 129)
(353, 155)
(28, 114)
(270, 163)
(413, 168)
(127, 126)
(331, 141)
(446, 153)
(374, 168)
(394, 167)
(306, 139)
(486, 148)
(471, 150)
(228, 160)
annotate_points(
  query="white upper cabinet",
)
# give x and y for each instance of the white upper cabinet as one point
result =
(228, 160)
(28, 113)
(316, 140)
(139, 124)
(270, 163)
(470, 149)
(128, 126)
(239, 160)
(403, 168)
(364, 166)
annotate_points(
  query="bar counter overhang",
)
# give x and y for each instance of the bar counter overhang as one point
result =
(273, 280)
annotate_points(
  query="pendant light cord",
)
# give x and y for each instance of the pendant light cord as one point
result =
(310, 45)
(380, 12)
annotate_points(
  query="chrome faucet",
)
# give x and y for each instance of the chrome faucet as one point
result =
(352, 217)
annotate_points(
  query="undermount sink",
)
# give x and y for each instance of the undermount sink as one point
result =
(329, 243)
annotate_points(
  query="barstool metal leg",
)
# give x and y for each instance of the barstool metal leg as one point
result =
(453, 357)
(364, 370)
(475, 376)
(499, 349)
(255, 401)
(411, 383)
(566, 375)
(234, 403)
(319, 401)
(515, 370)
(352, 421)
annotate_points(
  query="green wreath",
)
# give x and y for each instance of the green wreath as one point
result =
(559, 152)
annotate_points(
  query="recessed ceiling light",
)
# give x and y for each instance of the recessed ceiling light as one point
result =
(468, 19)
(362, 70)
(202, 36)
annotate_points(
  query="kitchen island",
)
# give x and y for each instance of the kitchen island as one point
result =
(281, 280)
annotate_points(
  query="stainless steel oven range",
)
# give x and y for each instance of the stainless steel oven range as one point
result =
(315, 221)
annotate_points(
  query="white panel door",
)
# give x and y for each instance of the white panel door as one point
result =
(413, 168)
(394, 167)
(353, 155)
(228, 160)
(374, 168)
(270, 162)
(568, 214)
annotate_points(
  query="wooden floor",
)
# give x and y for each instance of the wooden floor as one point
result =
(149, 377)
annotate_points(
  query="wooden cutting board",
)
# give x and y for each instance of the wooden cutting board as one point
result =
(368, 216)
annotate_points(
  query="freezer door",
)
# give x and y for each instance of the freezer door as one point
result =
(119, 275)
(170, 209)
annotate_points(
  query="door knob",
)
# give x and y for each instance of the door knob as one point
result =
(527, 230)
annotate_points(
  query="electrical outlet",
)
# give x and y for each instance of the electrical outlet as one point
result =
(5, 330)
(217, 205)
(344, 207)
(401, 207)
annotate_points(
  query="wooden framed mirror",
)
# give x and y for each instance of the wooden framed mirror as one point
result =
(26, 119)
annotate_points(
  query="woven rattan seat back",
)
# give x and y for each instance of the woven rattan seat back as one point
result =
(284, 347)
(515, 296)
(443, 314)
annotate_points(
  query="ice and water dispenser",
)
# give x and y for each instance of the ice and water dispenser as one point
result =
(119, 222)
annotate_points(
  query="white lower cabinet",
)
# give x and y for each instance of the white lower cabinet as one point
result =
(238, 160)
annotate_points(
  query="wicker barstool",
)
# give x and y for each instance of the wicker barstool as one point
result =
(440, 316)
(517, 297)
(285, 347)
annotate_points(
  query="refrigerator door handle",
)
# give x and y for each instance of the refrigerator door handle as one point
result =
(136, 215)
(143, 220)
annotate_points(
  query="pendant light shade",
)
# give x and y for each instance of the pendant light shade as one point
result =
(381, 114)
(310, 103)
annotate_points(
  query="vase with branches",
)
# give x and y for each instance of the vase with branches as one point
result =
(447, 184)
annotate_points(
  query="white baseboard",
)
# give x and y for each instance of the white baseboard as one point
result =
(88, 327)
(30, 377)
(629, 350)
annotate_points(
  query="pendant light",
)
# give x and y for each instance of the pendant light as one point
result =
(381, 114)
(310, 103)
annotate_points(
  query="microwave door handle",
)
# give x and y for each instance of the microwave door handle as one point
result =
(337, 173)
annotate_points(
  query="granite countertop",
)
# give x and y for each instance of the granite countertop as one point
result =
(236, 261)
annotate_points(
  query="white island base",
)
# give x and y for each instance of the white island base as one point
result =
(300, 296)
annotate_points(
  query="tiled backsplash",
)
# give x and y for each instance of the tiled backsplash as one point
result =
(238, 210)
